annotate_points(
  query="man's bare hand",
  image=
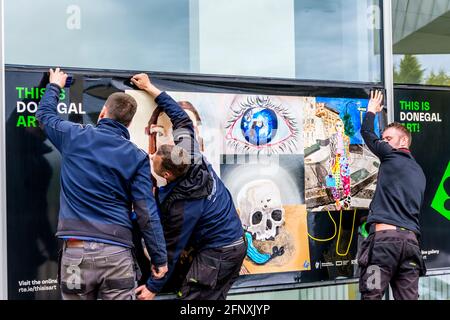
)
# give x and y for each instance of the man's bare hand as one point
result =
(142, 293)
(58, 77)
(142, 81)
(159, 272)
(376, 97)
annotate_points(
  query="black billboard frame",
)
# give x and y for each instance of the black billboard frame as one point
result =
(248, 85)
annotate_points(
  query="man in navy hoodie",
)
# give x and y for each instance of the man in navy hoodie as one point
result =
(103, 177)
(196, 211)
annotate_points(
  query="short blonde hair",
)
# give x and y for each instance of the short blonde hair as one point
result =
(402, 129)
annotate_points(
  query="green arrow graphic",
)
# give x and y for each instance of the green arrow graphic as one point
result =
(441, 201)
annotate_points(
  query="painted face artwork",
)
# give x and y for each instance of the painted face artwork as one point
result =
(161, 132)
(258, 125)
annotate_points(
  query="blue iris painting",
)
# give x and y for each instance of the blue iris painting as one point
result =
(259, 126)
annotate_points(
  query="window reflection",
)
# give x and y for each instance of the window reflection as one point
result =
(338, 40)
(303, 39)
(421, 42)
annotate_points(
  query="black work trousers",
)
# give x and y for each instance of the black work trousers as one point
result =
(390, 257)
(212, 273)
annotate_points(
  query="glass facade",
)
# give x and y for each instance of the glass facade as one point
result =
(421, 42)
(338, 40)
(104, 34)
(329, 40)
(296, 39)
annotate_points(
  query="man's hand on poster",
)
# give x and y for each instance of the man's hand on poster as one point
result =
(142, 81)
(376, 98)
(58, 77)
(159, 272)
(142, 293)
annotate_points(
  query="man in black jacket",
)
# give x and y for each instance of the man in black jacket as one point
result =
(391, 253)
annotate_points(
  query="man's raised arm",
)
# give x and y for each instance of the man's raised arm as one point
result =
(183, 127)
(47, 115)
(379, 147)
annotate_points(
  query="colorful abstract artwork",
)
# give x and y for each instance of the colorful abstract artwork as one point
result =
(340, 171)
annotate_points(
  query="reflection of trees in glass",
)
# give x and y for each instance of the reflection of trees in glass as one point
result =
(348, 125)
(349, 129)
(410, 70)
(439, 79)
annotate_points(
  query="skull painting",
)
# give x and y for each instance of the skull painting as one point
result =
(260, 209)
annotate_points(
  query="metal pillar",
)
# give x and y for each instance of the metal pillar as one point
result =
(388, 59)
(3, 248)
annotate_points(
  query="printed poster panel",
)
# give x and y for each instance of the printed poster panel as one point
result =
(261, 145)
(255, 145)
(426, 114)
(340, 171)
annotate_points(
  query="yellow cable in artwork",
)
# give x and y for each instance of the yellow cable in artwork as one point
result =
(335, 230)
(351, 234)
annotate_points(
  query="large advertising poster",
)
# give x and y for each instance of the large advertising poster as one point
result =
(293, 161)
(426, 113)
(32, 185)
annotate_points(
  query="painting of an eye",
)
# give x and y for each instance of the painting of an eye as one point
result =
(260, 125)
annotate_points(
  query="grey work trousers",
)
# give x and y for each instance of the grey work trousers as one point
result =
(97, 271)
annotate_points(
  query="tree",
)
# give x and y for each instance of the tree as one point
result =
(396, 75)
(410, 70)
(440, 79)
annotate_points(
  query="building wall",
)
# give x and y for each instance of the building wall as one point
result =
(321, 40)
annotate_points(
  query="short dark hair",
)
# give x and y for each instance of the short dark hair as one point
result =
(121, 107)
(174, 159)
(402, 129)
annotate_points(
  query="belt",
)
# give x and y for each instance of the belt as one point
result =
(75, 243)
(385, 226)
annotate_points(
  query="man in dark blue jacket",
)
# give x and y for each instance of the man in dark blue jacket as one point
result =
(196, 210)
(103, 177)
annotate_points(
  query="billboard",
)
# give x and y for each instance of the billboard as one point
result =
(291, 156)
(426, 114)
